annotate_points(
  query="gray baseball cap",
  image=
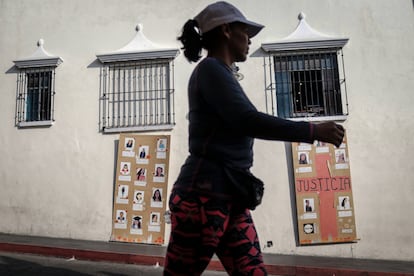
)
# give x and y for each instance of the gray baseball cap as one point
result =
(220, 13)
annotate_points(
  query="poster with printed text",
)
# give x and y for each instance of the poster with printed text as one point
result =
(323, 188)
(140, 188)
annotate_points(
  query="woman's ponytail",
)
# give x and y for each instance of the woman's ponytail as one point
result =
(191, 40)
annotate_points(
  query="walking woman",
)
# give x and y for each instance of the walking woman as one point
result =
(207, 214)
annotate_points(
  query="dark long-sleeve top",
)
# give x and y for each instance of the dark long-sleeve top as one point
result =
(223, 124)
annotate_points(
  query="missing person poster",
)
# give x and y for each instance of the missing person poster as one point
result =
(323, 189)
(140, 188)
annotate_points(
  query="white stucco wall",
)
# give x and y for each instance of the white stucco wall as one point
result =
(58, 181)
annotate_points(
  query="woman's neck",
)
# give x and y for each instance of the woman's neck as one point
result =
(222, 55)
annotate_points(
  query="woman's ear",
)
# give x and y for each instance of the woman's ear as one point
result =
(226, 30)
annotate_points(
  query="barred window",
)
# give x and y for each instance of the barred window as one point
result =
(137, 95)
(308, 83)
(35, 96)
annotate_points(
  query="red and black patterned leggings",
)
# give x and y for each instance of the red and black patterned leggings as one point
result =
(202, 226)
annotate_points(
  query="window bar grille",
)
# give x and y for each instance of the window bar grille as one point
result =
(343, 81)
(128, 94)
(151, 95)
(285, 66)
(29, 92)
(154, 107)
(334, 81)
(111, 116)
(124, 96)
(103, 96)
(112, 97)
(295, 100)
(140, 96)
(318, 78)
(170, 85)
(328, 74)
(153, 102)
(269, 84)
(272, 86)
(129, 90)
(118, 92)
(20, 98)
(115, 102)
(158, 93)
(337, 83)
(107, 98)
(304, 83)
(324, 79)
(127, 100)
(165, 92)
(52, 96)
(35, 95)
(41, 95)
(162, 94)
(145, 94)
(134, 95)
(119, 97)
(265, 82)
(137, 94)
(314, 82)
(331, 79)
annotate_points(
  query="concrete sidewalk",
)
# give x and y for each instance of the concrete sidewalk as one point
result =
(143, 254)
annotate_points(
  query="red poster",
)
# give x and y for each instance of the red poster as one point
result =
(323, 189)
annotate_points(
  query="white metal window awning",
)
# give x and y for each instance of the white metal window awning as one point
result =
(139, 48)
(40, 58)
(304, 38)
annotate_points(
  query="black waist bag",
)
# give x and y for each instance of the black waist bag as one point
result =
(247, 188)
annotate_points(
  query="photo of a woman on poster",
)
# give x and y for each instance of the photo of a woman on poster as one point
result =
(157, 195)
(344, 203)
(143, 155)
(123, 191)
(303, 158)
(308, 206)
(156, 199)
(162, 145)
(121, 217)
(141, 173)
(142, 152)
(139, 197)
(136, 222)
(124, 170)
(155, 219)
(129, 143)
(159, 173)
(341, 158)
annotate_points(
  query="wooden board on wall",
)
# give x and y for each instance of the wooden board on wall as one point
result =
(140, 188)
(324, 201)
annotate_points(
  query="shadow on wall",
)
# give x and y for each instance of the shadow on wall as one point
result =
(289, 159)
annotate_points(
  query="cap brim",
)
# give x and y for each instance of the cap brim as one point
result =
(253, 28)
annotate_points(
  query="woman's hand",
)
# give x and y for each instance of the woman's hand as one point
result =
(329, 132)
